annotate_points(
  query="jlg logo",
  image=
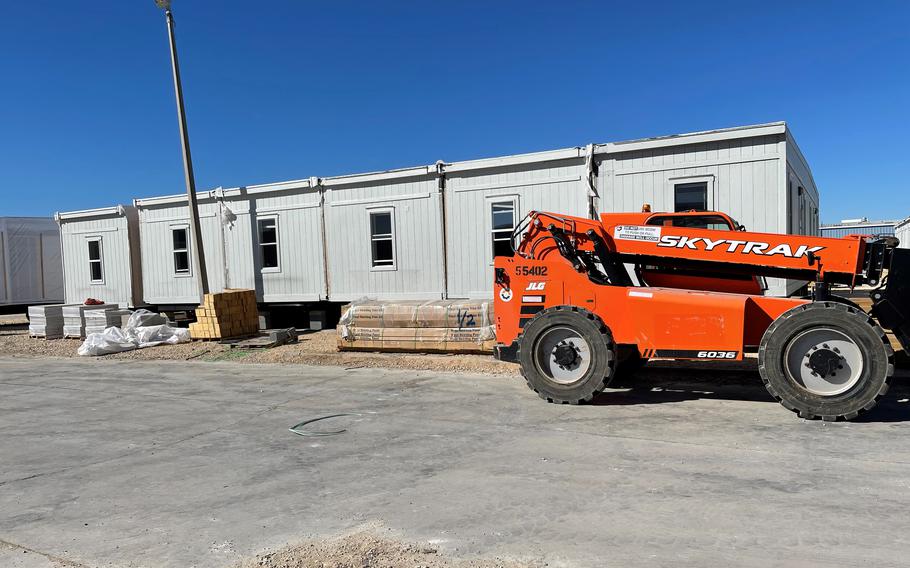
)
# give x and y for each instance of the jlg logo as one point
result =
(536, 286)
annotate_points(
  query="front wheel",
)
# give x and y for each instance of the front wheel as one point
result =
(826, 360)
(567, 355)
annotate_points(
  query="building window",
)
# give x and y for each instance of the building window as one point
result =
(502, 226)
(268, 244)
(181, 248)
(95, 261)
(690, 196)
(382, 239)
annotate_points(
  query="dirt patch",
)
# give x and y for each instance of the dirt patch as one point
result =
(365, 550)
(317, 348)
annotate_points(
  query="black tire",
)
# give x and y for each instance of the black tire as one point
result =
(869, 340)
(600, 369)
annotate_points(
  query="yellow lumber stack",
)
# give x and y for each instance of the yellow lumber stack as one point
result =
(227, 314)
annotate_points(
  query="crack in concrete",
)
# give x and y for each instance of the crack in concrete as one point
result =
(59, 560)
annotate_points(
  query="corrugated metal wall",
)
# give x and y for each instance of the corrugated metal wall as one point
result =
(558, 186)
(113, 231)
(232, 250)
(902, 232)
(837, 232)
(414, 199)
(442, 225)
(744, 174)
(301, 273)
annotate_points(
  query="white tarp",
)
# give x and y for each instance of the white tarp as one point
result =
(133, 336)
(31, 269)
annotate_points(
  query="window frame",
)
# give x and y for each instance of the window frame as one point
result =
(706, 179)
(277, 244)
(493, 200)
(392, 237)
(100, 261)
(188, 273)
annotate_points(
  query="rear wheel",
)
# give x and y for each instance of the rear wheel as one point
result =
(567, 355)
(826, 360)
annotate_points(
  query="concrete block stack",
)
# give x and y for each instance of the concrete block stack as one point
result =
(96, 321)
(442, 326)
(223, 315)
(46, 321)
(74, 318)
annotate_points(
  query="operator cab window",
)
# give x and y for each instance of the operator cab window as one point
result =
(690, 196)
(711, 222)
(503, 225)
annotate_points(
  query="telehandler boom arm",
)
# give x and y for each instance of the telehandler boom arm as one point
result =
(568, 309)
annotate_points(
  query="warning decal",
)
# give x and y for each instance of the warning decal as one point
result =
(637, 233)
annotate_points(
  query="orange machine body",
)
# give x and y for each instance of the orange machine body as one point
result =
(697, 311)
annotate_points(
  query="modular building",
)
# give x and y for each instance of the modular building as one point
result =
(902, 232)
(100, 250)
(431, 232)
(265, 237)
(30, 268)
(861, 226)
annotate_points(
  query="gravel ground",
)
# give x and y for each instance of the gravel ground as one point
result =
(366, 550)
(317, 348)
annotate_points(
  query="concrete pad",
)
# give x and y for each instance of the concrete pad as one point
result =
(118, 463)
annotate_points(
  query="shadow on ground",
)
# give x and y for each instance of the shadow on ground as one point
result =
(667, 382)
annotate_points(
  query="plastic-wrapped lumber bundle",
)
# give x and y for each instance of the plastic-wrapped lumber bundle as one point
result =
(441, 326)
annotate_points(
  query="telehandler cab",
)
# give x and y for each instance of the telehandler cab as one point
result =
(569, 312)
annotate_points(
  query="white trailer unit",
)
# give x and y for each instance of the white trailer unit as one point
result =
(265, 237)
(902, 232)
(384, 235)
(431, 232)
(485, 199)
(30, 268)
(101, 255)
(757, 174)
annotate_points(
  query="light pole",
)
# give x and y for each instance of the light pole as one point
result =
(195, 229)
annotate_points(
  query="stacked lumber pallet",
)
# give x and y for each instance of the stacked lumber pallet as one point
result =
(227, 314)
(442, 326)
(74, 318)
(46, 321)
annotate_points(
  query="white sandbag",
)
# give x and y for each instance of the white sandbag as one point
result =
(116, 340)
(152, 335)
(111, 340)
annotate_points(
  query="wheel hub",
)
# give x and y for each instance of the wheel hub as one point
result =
(565, 354)
(562, 355)
(825, 361)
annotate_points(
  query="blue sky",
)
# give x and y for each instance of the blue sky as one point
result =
(285, 89)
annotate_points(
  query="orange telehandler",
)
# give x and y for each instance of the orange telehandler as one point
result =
(584, 300)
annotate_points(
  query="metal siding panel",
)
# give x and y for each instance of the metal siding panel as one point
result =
(551, 186)
(418, 243)
(115, 244)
